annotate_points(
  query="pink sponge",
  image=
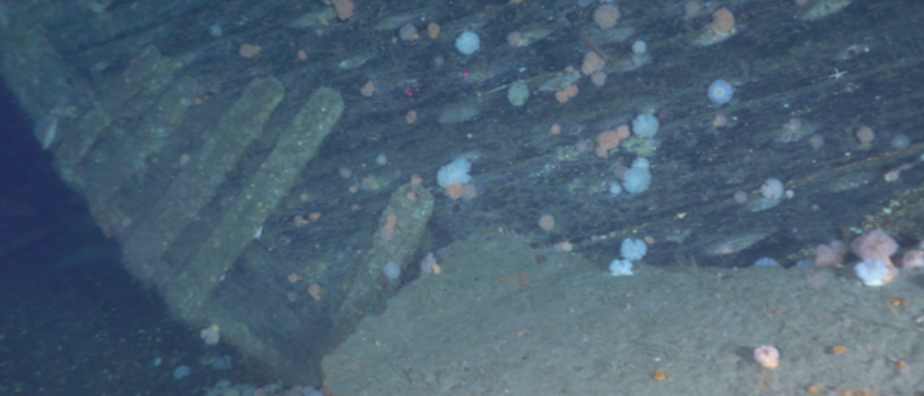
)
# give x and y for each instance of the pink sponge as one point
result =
(877, 245)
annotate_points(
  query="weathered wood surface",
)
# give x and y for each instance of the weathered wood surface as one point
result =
(142, 92)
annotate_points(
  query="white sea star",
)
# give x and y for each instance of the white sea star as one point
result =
(837, 74)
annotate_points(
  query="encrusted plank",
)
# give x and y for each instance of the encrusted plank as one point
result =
(242, 221)
(206, 171)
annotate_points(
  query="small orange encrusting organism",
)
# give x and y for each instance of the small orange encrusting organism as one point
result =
(606, 141)
(838, 349)
(561, 96)
(249, 50)
(564, 246)
(315, 291)
(433, 30)
(606, 16)
(659, 375)
(592, 63)
(367, 89)
(566, 93)
(469, 192)
(865, 134)
(555, 129)
(814, 389)
(344, 8)
(453, 191)
(388, 227)
(723, 22)
(429, 265)
(898, 302)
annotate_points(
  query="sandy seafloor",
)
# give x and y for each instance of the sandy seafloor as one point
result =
(507, 319)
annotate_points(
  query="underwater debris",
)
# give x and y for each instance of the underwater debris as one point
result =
(794, 130)
(737, 243)
(721, 28)
(45, 130)
(558, 83)
(321, 17)
(822, 8)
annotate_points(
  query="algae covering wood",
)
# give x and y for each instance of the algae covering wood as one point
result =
(242, 222)
(397, 241)
(124, 98)
(178, 207)
(132, 155)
